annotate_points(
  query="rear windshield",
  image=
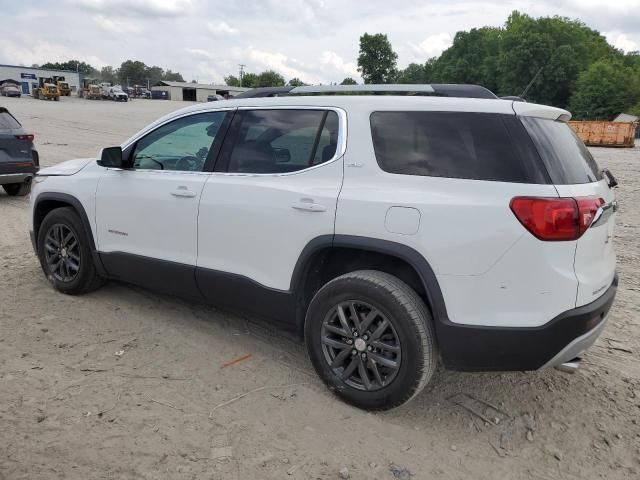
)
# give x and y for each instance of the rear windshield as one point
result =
(567, 159)
(7, 122)
(475, 146)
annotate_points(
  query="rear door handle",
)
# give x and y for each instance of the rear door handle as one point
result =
(308, 205)
(183, 192)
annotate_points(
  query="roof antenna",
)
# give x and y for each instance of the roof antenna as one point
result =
(524, 92)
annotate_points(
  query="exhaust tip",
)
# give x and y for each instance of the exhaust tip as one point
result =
(571, 366)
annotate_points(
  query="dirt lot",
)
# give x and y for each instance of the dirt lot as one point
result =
(125, 384)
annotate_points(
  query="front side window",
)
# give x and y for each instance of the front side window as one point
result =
(280, 141)
(181, 145)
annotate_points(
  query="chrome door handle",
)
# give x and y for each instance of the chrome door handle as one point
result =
(183, 192)
(308, 205)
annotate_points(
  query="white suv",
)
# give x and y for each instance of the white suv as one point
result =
(393, 231)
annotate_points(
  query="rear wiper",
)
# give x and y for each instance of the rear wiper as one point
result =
(611, 180)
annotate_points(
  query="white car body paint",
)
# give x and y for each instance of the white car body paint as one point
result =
(491, 271)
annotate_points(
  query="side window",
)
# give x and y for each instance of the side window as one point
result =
(474, 146)
(279, 141)
(181, 145)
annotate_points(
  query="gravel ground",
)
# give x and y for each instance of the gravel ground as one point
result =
(127, 384)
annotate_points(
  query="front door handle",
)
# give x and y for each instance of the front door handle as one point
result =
(183, 192)
(308, 205)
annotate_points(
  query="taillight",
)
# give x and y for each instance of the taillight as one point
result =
(556, 219)
(28, 138)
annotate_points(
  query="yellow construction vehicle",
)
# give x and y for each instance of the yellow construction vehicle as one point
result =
(90, 89)
(63, 86)
(46, 89)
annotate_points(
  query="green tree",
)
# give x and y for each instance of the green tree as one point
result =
(73, 65)
(296, 82)
(232, 81)
(376, 60)
(472, 58)
(134, 72)
(604, 90)
(414, 73)
(562, 47)
(348, 81)
(172, 76)
(249, 80)
(270, 78)
(109, 74)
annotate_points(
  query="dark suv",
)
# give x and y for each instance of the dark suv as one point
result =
(19, 160)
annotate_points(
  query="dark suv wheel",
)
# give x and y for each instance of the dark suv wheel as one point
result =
(65, 254)
(17, 189)
(370, 338)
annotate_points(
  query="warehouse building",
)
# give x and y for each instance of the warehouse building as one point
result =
(27, 77)
(195, 92)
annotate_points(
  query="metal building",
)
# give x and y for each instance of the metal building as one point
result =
(28, 76)
(195, 92)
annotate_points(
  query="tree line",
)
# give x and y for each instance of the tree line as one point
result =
(564, 62)
(130, 72)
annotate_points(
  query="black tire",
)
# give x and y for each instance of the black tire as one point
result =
(412, 334)
(86, 279)
(17, 189)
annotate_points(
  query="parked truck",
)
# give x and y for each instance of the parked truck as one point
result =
(89, 89)
(46, 89)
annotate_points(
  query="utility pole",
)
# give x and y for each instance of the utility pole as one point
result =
(241, 72)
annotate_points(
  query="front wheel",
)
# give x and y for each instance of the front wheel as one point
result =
(65, 253)
(370, 338)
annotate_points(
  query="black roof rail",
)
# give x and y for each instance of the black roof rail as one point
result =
(437, 89)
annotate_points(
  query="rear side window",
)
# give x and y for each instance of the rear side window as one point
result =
(8, 122)
(283, 140)
(567, 159)
(475, 146)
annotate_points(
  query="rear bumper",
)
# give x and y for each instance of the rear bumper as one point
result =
(21, 177)
(474, 348)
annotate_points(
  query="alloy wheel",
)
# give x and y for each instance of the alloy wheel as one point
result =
(62, 253)
(361, 345)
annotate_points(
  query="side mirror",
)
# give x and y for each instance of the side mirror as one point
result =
(111, 157)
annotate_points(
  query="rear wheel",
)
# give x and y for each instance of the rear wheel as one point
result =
(65, 253)
(370, 338)
(17, 189)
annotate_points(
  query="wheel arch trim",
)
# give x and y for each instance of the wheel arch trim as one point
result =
(387, 247)
(76, 204)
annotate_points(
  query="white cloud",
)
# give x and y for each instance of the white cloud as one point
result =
(138, 7)
(116, 26)
(276, 61)
(337, 62)
(16, 53)
(432, 46)
(623, 41)
(221, 28)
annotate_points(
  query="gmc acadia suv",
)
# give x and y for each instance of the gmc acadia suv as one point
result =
(393, 231)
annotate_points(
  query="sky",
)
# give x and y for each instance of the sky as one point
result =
(314, 40)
